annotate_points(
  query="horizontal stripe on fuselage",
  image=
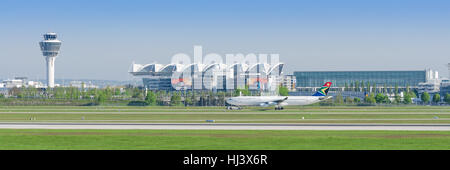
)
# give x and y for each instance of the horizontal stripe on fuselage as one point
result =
(271, 100)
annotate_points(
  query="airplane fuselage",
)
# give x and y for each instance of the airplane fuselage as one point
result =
(273, 100)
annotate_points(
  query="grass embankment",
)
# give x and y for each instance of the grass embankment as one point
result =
(224, 139)
(222, 118)
(221, 139)
(308, 114)
(57, 102)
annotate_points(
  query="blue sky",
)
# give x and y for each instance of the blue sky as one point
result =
(102, 38)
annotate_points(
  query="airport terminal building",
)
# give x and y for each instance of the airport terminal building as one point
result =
(215, 77)
(309, 80)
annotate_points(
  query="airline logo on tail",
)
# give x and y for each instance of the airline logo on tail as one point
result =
(323, 91)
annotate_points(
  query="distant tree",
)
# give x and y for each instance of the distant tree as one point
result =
(202, 99)
(407, 98)
(362, 86)
(356, 100)
(211, 99)
(357, 86)
(348, 100)
(447, 98)
(137, 93)
(160, 95)
(175, 99)
(436, 98)
(74, 93)
(127, 92)
(2, 96)
(339, 99)
(425, 97)
(283, 91)
(412, 94)
(386, 99)
(221, 98)
(244, 92)
(194, 99)
(397, 99)
(379, 98)
(20, 95)
(101, 99)
(370, 99)
(187, 98)
(187, 101)
(117, 91)
(396, 88)
(375, 90)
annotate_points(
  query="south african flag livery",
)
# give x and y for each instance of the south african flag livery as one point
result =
(323, 91)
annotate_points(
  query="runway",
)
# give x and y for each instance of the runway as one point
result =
(228, 126)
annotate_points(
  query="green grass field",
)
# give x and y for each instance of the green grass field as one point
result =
(221, 139)
(308, 114)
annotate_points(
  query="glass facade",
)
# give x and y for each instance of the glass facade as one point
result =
(162, 83)
(50, 36)
(50, 46)
(341, 78)
(445, 88)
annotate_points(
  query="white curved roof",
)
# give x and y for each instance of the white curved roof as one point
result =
(172, 68)
(151, 68)
(278, 66)
(50, 33)
(197, 67)
(216, 66)
(244, 67)
(264, 67)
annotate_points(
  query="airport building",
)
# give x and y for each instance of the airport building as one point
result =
(380, 80)
(445, 88)
(82, 85)
(215, 77)
(50, 47)
(445, 84)
(19, 82)
(289, 81)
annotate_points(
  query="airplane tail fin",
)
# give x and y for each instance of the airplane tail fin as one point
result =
(323, 91)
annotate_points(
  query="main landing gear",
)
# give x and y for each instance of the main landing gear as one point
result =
(279, 108)
(233, 108)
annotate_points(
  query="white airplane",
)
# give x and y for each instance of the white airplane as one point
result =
(279, 101)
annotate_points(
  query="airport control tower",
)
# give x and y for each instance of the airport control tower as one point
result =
(50, 49)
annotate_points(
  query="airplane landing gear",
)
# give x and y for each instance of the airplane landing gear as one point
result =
(279, 108)
(233, 108)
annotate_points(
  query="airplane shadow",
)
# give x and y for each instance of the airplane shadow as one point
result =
(263, 109)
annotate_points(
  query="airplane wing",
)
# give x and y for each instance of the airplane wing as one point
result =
(274, 102)
(326, 98)
(281, 100)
